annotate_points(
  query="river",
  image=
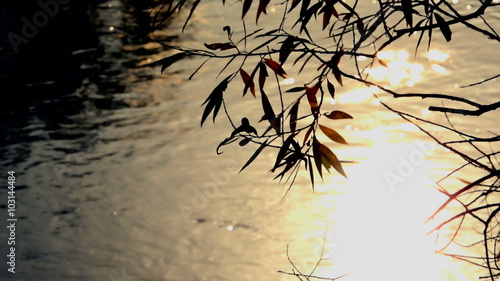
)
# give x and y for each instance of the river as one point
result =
(115, 179)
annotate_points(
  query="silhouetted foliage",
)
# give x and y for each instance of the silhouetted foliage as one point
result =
(296, 116)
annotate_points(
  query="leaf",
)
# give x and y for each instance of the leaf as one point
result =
(248, 82)
(311, 172)
(168, 61)
(331, 158)
(293, 115)
(327, 11)
(295, 90)
(331, 89)
(195, 4)
(244, 142)
(407, 11)
(286, 48)
(337, 114)
(246, 7)
(262, 76)
(444, 27)
(262, 8)
(294, 4)
(276, 67)
(337, 74)
(254, 155)
(308, 133)
(332, 134)
(382, 63)
(311, 97)
(214, 100)
(268, 111)
(220, 46)
(317, 156)
(283, 151)
(360, 26)
(227, 29)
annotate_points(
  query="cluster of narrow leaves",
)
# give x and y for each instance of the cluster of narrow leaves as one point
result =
(294, 135)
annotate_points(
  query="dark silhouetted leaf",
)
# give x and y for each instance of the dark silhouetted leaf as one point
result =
(268, 109)
(276, 67)
(336, 57)
(331, 88)
(262, 8)
(311, 172)
(295, 90)
(407, 11)
(294, 4)
(286, 48)
(332, 134)
(248, 82)
(337, 114)
(227, 29)
(168, 61)
(214, 100)
(444, 27)
(246, 7)
(195, 4)
(317, 156)
(262, 76)
(254, 155)
(311, 97)
(220, 46)
(293, 115)
(360, 26)
(283, 151)
(328, 10)
(303, 8)
(337, 74)
(244, 142)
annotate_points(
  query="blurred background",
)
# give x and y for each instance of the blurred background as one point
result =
(115, 180)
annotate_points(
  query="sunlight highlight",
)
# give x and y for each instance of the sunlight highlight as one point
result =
(379, 231)
(400, 71)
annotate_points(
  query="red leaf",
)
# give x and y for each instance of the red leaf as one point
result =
(337, 74)
(337, 114)
(262, 8)
(294, 4)
(276, 67)
(311, 97)
(248, 82)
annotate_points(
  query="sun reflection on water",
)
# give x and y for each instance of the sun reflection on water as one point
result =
(376, 230)
(399, 70)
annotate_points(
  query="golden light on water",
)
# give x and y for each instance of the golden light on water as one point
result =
(376, 226)
(400, 71)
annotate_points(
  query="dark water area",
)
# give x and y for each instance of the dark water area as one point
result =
(59, 59)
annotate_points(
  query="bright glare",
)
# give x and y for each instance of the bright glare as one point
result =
(439, 69)
(358, 95)
(437, 55)
(289, 81)
(379, 231)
